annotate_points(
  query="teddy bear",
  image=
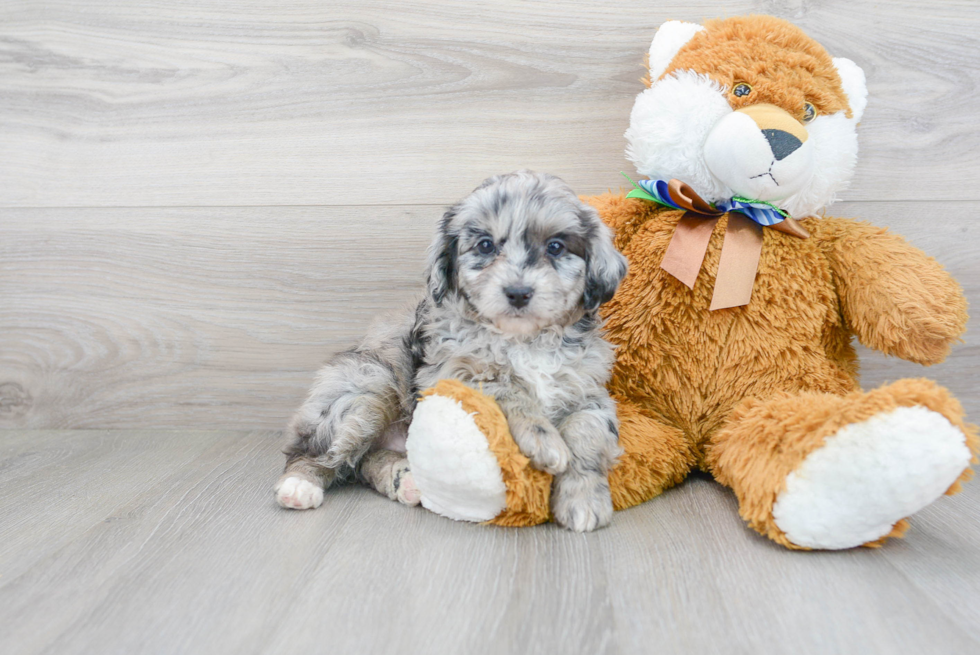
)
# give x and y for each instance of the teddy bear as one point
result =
(734, 326)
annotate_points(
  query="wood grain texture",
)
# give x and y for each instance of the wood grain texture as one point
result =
(307, 102)
(199, 203)
(190, 309)
(54, 483)
(200, 560)
(219, 317)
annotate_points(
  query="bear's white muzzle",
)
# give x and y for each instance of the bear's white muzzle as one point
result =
(760, 152)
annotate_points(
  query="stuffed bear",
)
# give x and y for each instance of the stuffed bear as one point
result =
(734, 325)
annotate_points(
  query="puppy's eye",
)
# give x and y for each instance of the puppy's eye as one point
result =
(742, 89)
(809, 112)
(485, 247)
(555, 247)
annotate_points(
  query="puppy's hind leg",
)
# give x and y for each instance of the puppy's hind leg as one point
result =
(388, 473)
(354, 399)
(302, 484)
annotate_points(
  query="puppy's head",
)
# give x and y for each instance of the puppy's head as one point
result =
(525, 253)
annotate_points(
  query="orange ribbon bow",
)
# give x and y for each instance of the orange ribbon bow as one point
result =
(740, 250)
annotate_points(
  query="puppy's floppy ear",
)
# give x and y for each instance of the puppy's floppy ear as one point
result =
(605, 266)
(441, 273)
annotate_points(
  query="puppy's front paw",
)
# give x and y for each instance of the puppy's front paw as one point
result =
(552, 458)
(542, 444)
(582, 503)
(296, 493)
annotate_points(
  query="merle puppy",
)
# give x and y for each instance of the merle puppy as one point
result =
(516, 275)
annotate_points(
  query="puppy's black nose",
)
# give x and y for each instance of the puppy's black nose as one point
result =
(783, 144)
(518, 296)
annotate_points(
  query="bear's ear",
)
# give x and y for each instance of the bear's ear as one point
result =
(668, 40)
(855, 86)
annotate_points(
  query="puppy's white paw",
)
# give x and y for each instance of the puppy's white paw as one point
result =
(552, 458)
(296, 493)
(542, 444)
(407, 493)
(582, 503)
(584, 519)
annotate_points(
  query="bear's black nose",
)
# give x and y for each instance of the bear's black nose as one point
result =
(518, 296)
(783, 144)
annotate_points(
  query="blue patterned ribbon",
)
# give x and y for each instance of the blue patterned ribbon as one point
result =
(760, 211)
(740, 250)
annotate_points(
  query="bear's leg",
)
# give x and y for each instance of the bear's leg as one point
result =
(655, 456)
(816, 470)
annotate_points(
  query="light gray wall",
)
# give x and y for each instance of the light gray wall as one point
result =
(199, 202)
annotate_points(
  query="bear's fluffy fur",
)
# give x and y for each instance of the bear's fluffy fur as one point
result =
(747, 393)
(765, 396)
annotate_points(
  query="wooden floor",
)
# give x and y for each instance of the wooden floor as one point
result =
(170, 542)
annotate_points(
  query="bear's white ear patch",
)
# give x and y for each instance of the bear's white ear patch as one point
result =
(669, 39)
(855, 86)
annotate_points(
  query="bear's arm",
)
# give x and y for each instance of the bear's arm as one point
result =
(894, 297)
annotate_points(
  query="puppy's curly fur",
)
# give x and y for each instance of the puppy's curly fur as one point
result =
(516, 274)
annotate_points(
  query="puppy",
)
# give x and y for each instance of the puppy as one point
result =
(516, 275)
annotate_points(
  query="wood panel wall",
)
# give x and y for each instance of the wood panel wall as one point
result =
(199, 202)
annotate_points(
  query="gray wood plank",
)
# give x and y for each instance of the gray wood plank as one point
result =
(57, 484)
(311, 102)
(218, 317)
(161, 549)
(190, 309)
(456, 588)
(692, 578)
(941, 557)
(202, 561)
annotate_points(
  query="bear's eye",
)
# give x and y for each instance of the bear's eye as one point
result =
(485, 247)
(555, 247)
(741, 89)
(809, 112)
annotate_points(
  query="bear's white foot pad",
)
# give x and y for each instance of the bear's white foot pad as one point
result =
(455, 471)
(296, 493)
(868, 476)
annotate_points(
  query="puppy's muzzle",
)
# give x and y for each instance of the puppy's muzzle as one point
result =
(518, 296)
